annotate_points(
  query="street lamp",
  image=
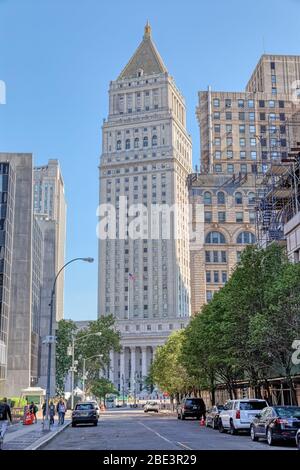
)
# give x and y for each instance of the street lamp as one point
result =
(73, 362)
(51, 339)
(83, 373)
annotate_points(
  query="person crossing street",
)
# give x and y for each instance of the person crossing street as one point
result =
(5, 418)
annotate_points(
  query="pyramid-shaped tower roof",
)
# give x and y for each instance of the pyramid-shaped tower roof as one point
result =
(145, 58)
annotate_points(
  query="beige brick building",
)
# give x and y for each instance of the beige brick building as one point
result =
(241, 133)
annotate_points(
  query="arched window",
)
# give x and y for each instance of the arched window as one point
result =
(246, 238)
(154, 140)
(136, 142)
(251, 198)
(119, 145)
(127, 144)
(145, 142)
(238, 198)
(221, 197)
(215, 238)
(207, 198)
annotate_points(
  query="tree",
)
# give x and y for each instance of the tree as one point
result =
(66, 329)
(92, 345)
(101, 387)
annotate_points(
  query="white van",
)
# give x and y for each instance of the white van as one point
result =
(238, 414)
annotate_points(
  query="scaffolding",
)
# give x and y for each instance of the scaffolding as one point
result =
(278, 197)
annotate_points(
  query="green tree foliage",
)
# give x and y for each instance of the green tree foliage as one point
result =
(89, 345)
(66, 329)
(101, 387)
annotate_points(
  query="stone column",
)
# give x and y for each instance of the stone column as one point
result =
(111, 367)
(133, 367)
(144, 361)
(122, 367)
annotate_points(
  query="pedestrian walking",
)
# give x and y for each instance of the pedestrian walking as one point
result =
(61, 410)
(44, 410)
(5, 419)
(51, 412)
(33, 410)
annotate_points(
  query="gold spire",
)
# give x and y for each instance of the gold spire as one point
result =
(147, 30)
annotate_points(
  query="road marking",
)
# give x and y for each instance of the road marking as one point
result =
(183, 445)
(157, 433)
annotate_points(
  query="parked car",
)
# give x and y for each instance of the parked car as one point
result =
(276, 423)
(237, 415)
(85, 413)
(212, 416)
(96, 406)
(191, 408)
(298, 439)
(151, 406)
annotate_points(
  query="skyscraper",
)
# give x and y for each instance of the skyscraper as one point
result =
(242, 134)
(144, 280)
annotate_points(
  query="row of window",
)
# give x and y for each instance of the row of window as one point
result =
(221, 198)
(239, 217)
(251, 116)
(136, 143)
(249, 103)
(274, 142)
(216, 277)
(218, 238)
(252, 129)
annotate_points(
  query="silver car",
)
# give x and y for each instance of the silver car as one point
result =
(151, 406)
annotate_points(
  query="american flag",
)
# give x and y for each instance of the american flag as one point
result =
(131, 276)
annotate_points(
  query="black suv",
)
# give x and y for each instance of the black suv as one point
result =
(85, 413)
(192, 408)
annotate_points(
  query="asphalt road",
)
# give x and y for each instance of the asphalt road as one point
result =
(136, 430)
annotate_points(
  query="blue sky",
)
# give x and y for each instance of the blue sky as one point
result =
(58, 56)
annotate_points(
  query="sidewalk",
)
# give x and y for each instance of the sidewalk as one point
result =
(31, 437)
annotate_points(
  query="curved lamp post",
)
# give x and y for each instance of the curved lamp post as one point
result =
(51, 339)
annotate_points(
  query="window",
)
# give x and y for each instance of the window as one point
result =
(242, 142)
(229, 141)
(228, 115)
(127, 144)
(215, 256)
(282, 117)
(208, 276)
(230, 168)
(228, 128)
(245, 238)
(242, 154)
(136, 142)
(250, 104)
(281, 104)
(221, 217)
(251, 198)
(272, 65)
(224, 277)
(242, 129)
(216, 115)
(240, 103)
(251, 116)
(252, 217)
(218, 168)
(252, 129)
(154, 140)
(239, 217)
(215, 238)
(208, 256)
(217, 154)
(208, 216)
(119, 145)
(145, 142)
(216, 277)
(261, 103)
(217, 128)
(229, 154)
(242, 116)
(263, 129)
(238, 198)
(272, 117)
(216, 102)
(227, 103)
(209, 295)
(221, 197)
(217, 141)
(253, 155)
(223, 257)
(238, 256)
(262, 116)
(271, 104)
(243, 168)
(207, 198)
(282, 129)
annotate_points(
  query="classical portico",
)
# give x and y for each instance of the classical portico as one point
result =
(139, 339)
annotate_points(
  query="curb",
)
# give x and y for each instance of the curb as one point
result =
(43, 441)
